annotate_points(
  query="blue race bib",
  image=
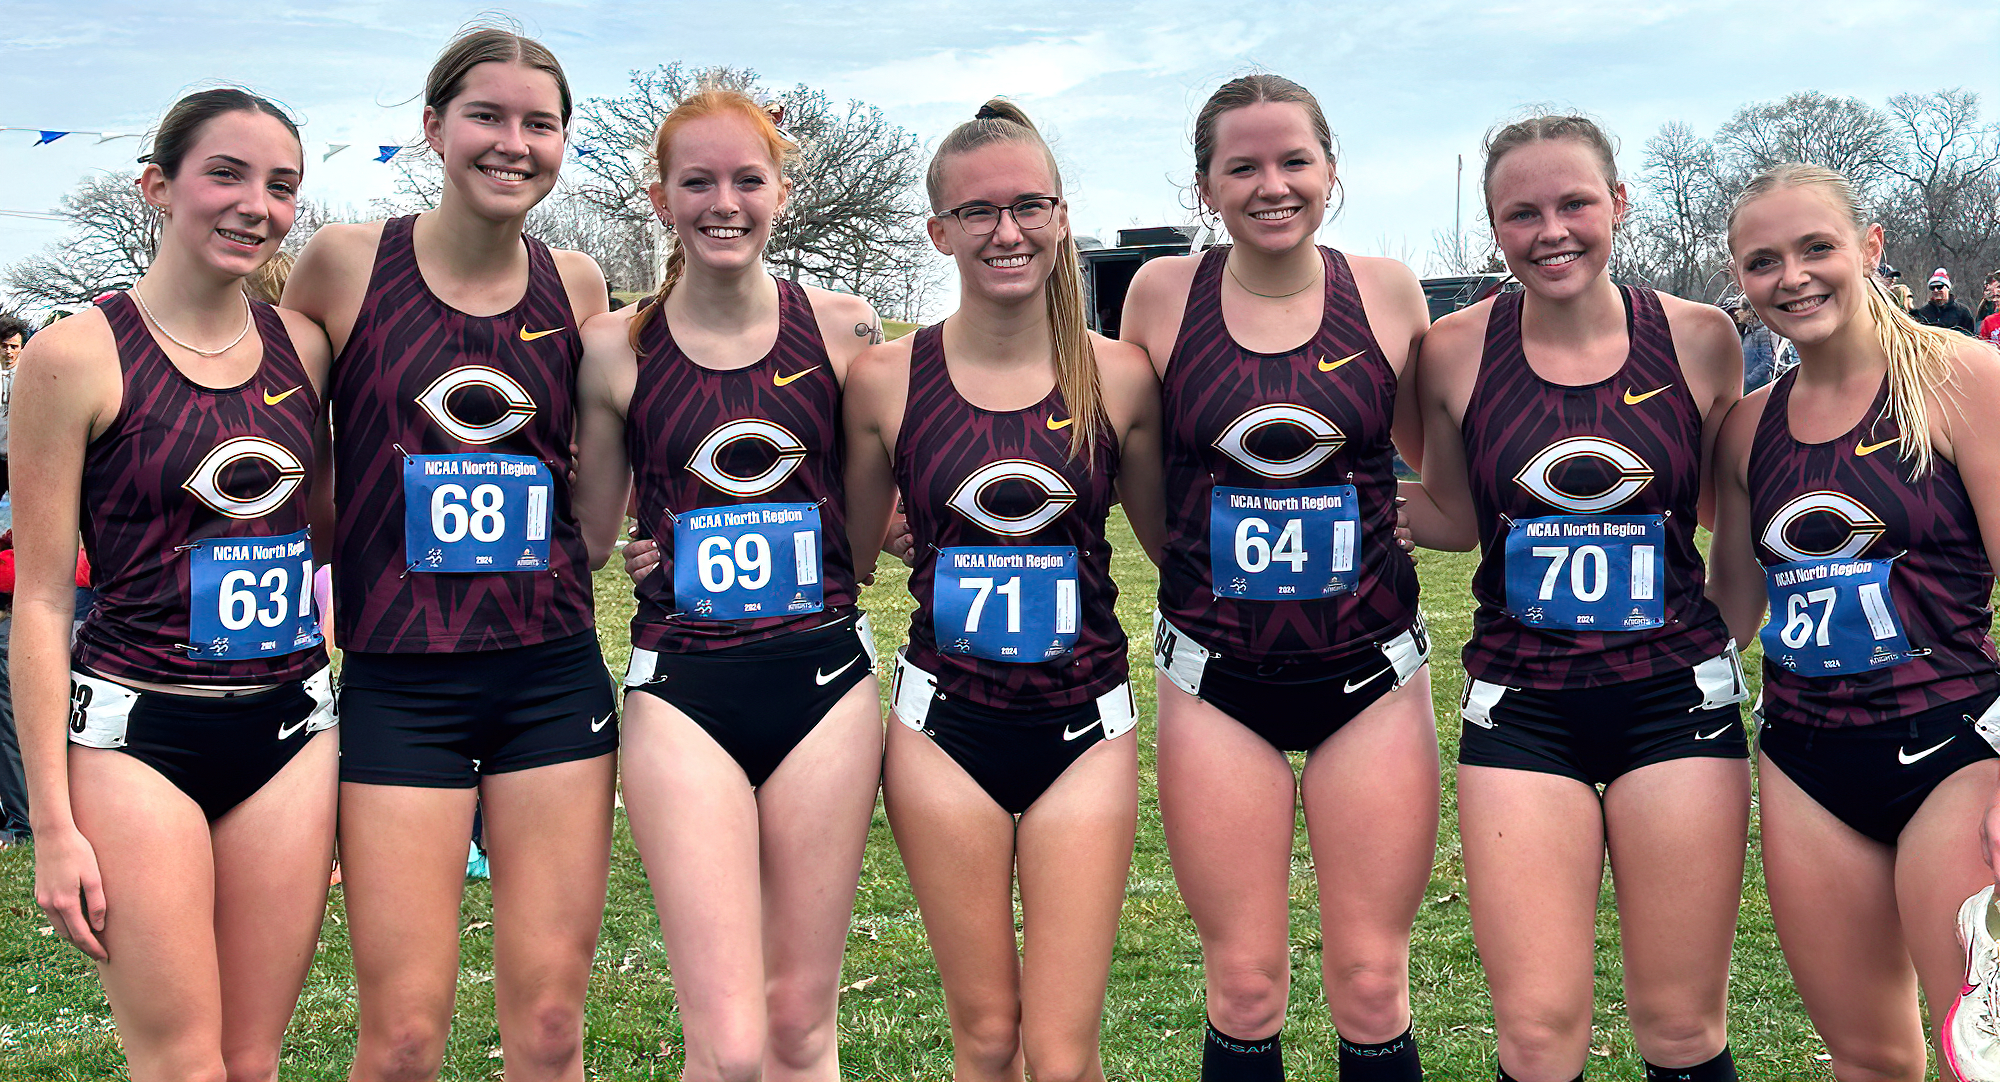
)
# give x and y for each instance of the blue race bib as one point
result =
(1833, 617)
(1587, 572)
(476, 512)
(1015, 603)
(1283, 544)
(748, 561)
(252, 597)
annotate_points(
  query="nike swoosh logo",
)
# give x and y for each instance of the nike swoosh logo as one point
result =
(1699, 735)
(780, 380)
(598, 724)
(825, 678)
(1634, 399)
(1870, 448)
(1080, 733)
(1328, 366)
(1351, 686)
(529, 336)
(285, 731)
(1055, 424)
(273, 399)
(1906, 759)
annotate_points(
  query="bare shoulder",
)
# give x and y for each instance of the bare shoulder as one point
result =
(1698, 324)
(1165, 277)
(1122, 365)
(1383, 271)
(577, 269)
(1459, 337)
(610, 331)
(842, 311)
(1739, 428)
(344, 242)
(71, 345)
(879, 369)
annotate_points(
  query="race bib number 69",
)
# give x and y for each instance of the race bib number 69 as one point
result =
(748, 561)
(476, 512)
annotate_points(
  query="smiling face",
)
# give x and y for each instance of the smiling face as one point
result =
(236, 192)
(1553, 215)
(1802, 263)
(1009, 264)
(719, 190)
(500, 138)
(1269, 178)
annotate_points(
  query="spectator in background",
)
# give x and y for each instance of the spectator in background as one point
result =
(1942, 311)
(13, 335)
(1989, 328)
(13, 782)
(1760, 346)
(1990, 304)
(1897, 290)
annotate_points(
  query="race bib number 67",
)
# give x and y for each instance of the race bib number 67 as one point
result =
(476, 512)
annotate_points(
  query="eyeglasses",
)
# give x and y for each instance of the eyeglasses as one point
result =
(980, 219)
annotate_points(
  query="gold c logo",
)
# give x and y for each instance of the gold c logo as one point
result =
(789, 448)
(1322, 439)
(519, 406)
(1863, 527)
(970, 497)
(1629, 474)
(206, 482)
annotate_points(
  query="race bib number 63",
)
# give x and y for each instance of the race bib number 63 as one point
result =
(251, 597)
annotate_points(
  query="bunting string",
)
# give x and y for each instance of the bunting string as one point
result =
(384, 152)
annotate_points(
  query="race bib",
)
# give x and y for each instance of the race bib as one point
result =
(1587, 572)
(748, 561)
(251, 597)
(1015, 603)
(476, 512)
(1833, 617)
(1283, 544)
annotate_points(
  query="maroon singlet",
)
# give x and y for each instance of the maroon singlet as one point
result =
(1341, 375)
(677, 406)
(1939, 585)
(1646, 408)
(944, 440)
(139, 509)
(404, 341)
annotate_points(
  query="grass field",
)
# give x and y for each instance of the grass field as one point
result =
(54, 1023)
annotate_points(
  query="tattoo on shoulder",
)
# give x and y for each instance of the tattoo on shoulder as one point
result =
(872, 332)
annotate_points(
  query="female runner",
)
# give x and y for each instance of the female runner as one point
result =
(471, 672)
(1567, 430)
(1859, 482)
(1288, 618)
(183, 837)
(1010, 429)
(753, 751)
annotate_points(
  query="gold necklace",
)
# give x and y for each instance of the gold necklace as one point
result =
(157, 325)
(1267, 296)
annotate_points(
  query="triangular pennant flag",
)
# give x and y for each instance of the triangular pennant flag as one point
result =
(584, 151)
(107, 136)
(387, 153)
(334, 148)
(50, 137)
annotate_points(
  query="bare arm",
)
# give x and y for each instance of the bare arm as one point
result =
(1711, 357)
(877, 383)
(1133, 397)
(65, 391)
(1735, 578)
(604, 385)
(317, 357)
(331, 278)
(1441, 511)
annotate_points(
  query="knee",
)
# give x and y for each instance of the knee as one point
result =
(1067, 1064)
(802, 1030)
(1874, 1061)
(1248, 1000)
(245, 1065)
(409, 1049)
(1676, 1037)
(1370, 1000)
(548, 1034)
(989, 1038)
(1540, 1040)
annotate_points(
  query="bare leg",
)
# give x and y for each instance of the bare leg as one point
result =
(1833, 900)
(1938, 864)
(548, 834)
(1371, 800)
(1075, 854)
(1677, 833)
(1228, 803)
(958, 846)
(1534, 860)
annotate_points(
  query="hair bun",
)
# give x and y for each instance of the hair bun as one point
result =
(988, 112)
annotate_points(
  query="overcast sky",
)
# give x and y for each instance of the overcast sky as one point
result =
(1406, 86)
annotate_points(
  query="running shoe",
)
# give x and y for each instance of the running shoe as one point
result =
(1972, 1025)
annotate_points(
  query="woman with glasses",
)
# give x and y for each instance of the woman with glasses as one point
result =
(1010, 430)
(1288, 613)
(753, 727)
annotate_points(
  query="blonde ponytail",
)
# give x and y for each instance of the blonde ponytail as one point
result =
(1077, 380)
(1920, 357)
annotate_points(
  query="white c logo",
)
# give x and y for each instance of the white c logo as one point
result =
(1056, 492)
(790, 452)
(520, 407)
(1863, 526)
(1323, 438)
(1630, 473)
(206, 483)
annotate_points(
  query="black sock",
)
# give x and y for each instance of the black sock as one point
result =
(1720, 1069)
(1391, 1061)
(1505, 1077)
(1226, 1059)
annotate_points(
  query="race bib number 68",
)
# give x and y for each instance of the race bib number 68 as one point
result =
(476, 512)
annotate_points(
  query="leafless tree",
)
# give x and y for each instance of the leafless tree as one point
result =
(1943, 203)
(1676, 225)
(1846, 134)
(1470, 252)
(112, 238)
